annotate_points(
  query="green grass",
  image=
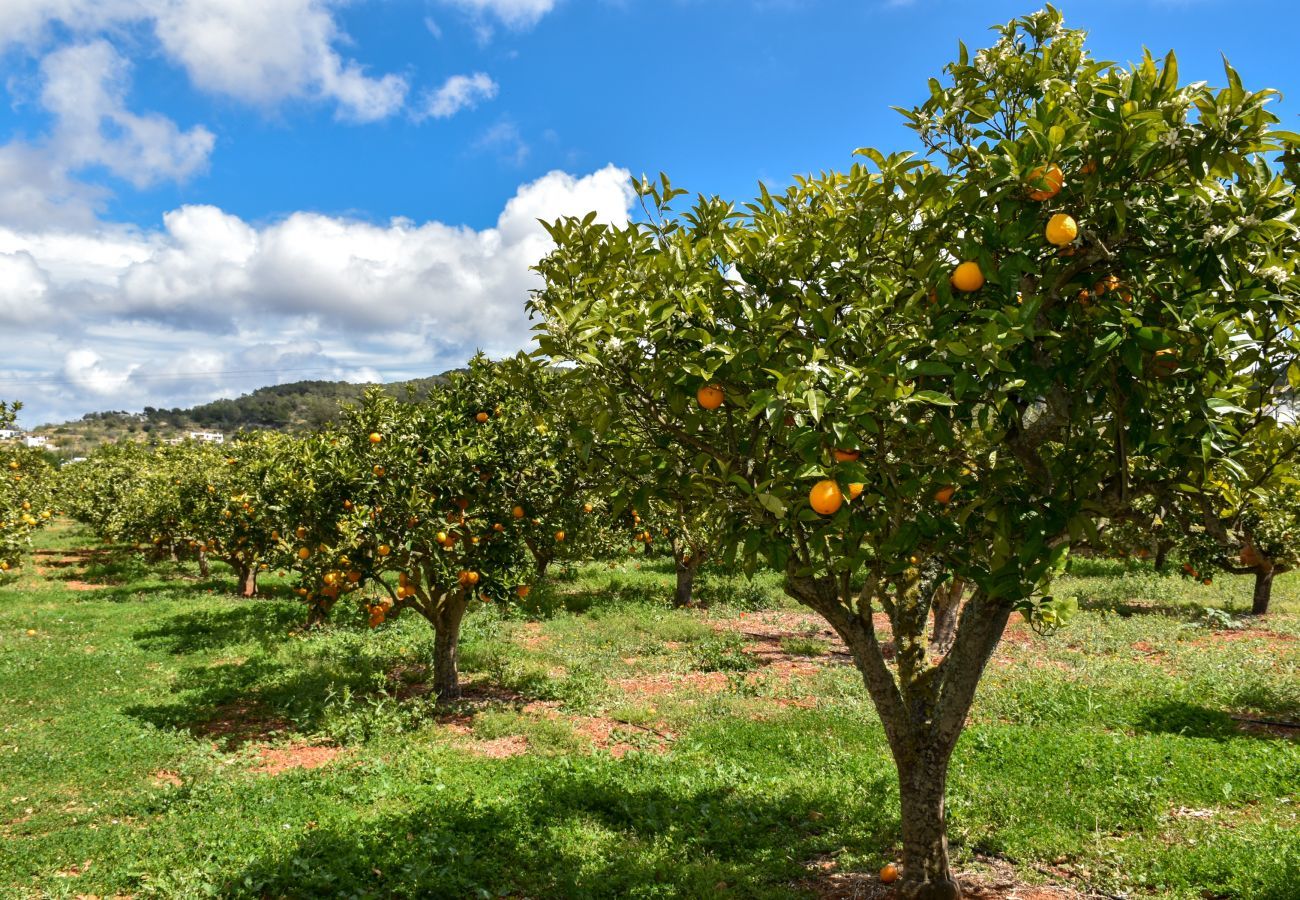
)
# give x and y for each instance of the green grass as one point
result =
(665, 754)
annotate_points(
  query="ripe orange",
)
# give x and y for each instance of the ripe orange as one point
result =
(845, 455)
(586, 507)
(379, 471)
(1088, 168)
(1061, 230)
(825, 497)
(384, 549)
(943, 496)
(498, 527)
(967, 277)
(347, 504)
(709, 396)
(517, 512)
(522, 590)
(304, 553)
(855, 490)
(1109, 283)
(481, 418)
(1045, 182)
(375, 437)
(1207, 581)
(1164, 362)
(559, 537)
(889, 873)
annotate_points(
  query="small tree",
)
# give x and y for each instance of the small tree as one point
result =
(414, 502)
(25, 495)
(953, 367)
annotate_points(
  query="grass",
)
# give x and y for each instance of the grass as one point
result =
(665, 753)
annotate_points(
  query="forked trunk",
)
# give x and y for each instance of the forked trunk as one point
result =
(1263, 591)
(446, 643)
(542, 558)
(922, 776)
(205, 569)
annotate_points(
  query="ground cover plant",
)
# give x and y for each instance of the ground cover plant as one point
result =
(163, 738)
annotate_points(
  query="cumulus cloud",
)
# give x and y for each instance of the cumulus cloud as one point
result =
(459, 92)
(157, 317)
(258, 51)
(85, 88)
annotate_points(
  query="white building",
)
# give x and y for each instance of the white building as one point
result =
(8, 434)
(210, 437)
(35, 440)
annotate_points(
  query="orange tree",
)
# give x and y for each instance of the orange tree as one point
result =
(234, 503)
(1055, 312)
(412, 500)
(25, 494)
(1244, 518)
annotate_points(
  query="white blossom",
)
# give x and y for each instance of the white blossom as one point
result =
(1171, 138)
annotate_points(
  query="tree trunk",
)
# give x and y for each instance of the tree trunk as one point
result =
(946, 605)
(1162, 554)
(205, 570)
(446, 643)
(682, 596)
(1263, 591)
(318, 614)
(922, 776)
(248, 580)
(541, 558)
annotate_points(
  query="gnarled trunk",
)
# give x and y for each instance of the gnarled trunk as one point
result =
(205, 569)
(446, 643)
(1263, 591)
(922, 779)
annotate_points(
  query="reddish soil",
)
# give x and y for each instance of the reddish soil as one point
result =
(239, 722)
(994, 880)
(166, 777)
(274, 760)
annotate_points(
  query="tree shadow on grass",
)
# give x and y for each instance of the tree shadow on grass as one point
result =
(594, 828)
(265, 623)
(1190, 720)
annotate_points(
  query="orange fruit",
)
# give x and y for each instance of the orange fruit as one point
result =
(517, 512)
(967, 277)
(845, 455)
(522, 590)
(304, 553)
(1061, 230)
(1045, 182)
(709, 396)
(347, 504)
(944, 494)
(1088, 168)
(825, 497)
(855, 490)
(481, 418)
(1109, 283)
(379, 471)
(586, 507)
(375, 437)
(559, 536)
(498, 527)
(889, 873)
(384, 549)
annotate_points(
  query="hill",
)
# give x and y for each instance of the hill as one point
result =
(296, 406)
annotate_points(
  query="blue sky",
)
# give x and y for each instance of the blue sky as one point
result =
(198, 197)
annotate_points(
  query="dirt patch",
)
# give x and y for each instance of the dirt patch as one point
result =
(1268, 727)
(73, 585)
(238, 722)
(500, 748)
(532, 638)
(990, 879)
(166, 778)
(670, 682)
(274, 760)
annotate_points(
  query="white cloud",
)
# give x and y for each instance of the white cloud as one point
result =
(85, 88)
(504, 139)
(258, 51)
(459, 92)
(514, 13)
(23, 290)
(145, 314)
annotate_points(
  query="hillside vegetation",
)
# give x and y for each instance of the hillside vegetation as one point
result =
(294, 407)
